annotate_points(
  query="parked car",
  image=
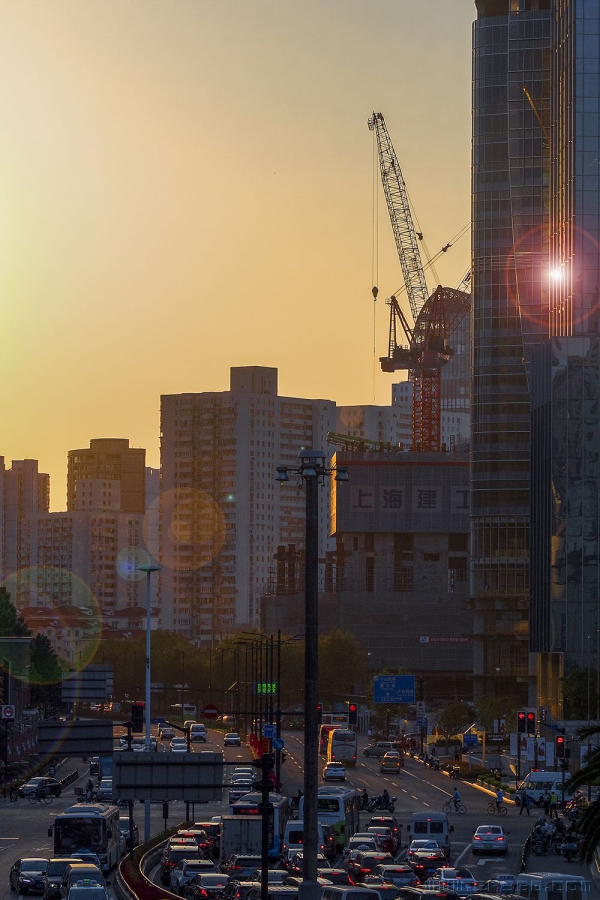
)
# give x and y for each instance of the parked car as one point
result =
(26, 875)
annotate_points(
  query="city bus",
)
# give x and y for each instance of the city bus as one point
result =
(338, 807)
(249, 805)
(342, 746)
(324, 731)
(88, 826)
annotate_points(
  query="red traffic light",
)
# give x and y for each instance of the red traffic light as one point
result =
(531, 723)
(560, 746)
(352, 713)
(521, 721)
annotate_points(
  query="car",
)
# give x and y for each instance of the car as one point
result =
(490, 839)
(238, 789)
(419, 892)
(274, 876)
(87, 889)
(174, 854)
(399, 874)
(459, 879)
(232, 739)
(166, 732)
(295, 864)
(53, 875)
(335, 876)
(359, 842)
(287, 891)
(240, 866)
(201, 839)
(89, 858)
(94, 763)
(124, 829)
(206, 887)
(500, 884)
(365, 861)
(26, 875)
(40, 783)
(105, 790)
(384, 838)
(387, 890)
(238, 890)
(386, 821)
(186, 869)
(391, 762)
(378, 749)
(213, 832)
(334, 771)
(178, 745)
(421, 849)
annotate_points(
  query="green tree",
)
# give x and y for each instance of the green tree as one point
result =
(589, 774)
(45, 675)
(11, 624)
(453, 719)
(579, 693)
(488, 709)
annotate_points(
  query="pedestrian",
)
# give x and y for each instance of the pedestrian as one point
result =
(433, 750)
(546, 801)
(525, 803)
(554, 805)
(370, 734)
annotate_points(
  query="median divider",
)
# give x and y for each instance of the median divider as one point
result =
(131, 882)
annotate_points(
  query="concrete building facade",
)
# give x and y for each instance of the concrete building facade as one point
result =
(110, 459)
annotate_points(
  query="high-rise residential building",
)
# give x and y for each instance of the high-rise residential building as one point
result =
(25, 492)
(110, 459)
(512, 72)
(565, 555)
(222, 513)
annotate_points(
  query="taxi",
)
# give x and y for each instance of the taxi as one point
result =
(391, 762)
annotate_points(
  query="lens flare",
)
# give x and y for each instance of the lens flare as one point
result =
(193, 529)
(128, 560)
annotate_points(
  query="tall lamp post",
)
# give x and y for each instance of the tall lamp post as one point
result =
(148, 569)
(313, 472)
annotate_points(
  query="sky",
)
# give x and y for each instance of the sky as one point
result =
(189, 185)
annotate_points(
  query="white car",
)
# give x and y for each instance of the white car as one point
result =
(178, 745)
(490, 839)
(232, 740)
(334, 771)
(458, 879)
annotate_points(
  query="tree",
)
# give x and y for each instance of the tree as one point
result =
(589, 774)
(454, 719)
(579, 693)
(45, 675)
(488, 709)
(341, 665)
(11, 624)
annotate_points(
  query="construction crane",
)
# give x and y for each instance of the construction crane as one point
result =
(425, 349)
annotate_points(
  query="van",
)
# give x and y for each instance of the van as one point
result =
(535, 783)
(293, 839)
(432, 826)
(198, 732)
(548, 886)
(75, 872)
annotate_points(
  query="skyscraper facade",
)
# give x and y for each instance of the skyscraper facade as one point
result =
(512, 56)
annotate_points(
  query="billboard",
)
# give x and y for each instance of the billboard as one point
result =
(193, 777)
(394, 689)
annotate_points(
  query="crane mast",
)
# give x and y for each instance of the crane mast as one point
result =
(398, 205)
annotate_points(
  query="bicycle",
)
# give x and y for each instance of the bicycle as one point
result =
(41, 797)
(449, 806)
(493, 809)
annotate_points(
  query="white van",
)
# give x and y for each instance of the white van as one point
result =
(293, 838)
(549, 886)
(535, 783)
(431, 826)
(197, 732)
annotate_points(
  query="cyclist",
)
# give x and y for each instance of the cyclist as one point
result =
(456, 798)
(499, 799)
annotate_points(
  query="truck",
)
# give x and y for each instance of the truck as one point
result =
(241, 834)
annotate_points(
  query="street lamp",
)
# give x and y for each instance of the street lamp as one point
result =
(313, 472)
(148, 569)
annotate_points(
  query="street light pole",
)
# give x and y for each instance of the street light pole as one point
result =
(313, 471)
(148, 569)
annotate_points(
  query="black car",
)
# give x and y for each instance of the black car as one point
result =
(335, 876)
(296, 863)
(94, 765)
(205, 887)
(27, 875)
(40, 784)
(365, 862)
(53, 876)
(124, 829)
(238, 890)
(240, 866)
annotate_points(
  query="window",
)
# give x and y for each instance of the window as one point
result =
(431, 557)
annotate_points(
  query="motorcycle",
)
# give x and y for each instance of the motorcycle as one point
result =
(569, 849)
(377, 804)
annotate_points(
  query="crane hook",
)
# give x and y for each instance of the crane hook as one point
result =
(374, 291)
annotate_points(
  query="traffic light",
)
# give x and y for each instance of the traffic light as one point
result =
(559, 746)
(137, 718)
(531, 723)
(521, 722)
(319, 713)
(352, 714)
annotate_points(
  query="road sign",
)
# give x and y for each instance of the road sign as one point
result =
(210, 711)
(8, 712)
(194, 777)
(394, 689)
(269, 731)
(278, 743)
(421, 721)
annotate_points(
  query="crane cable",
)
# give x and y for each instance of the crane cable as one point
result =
(444, 249)
(375, 258)
(421, 238)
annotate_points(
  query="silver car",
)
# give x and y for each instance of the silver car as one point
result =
(490, 839)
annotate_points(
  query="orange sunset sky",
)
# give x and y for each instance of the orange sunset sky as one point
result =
(187, 185)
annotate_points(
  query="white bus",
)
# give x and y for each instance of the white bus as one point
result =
(552, 886)
(342, 746)
(340, 808)
(88, 826)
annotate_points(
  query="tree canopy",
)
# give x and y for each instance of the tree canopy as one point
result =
(11, 624)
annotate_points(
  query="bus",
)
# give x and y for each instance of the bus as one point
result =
(324, 731)
(340, 720)
(552, 885)
(340, 808)
(249, 805)
(91, 827)
(342, 746)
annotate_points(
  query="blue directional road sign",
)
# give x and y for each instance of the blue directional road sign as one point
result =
(421, 722)
(278, 743)
(269, 731)
(394, 689)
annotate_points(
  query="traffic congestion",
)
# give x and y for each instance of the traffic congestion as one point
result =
(388, 824)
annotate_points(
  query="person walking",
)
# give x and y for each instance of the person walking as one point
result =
(525, 803)
(546, 801)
